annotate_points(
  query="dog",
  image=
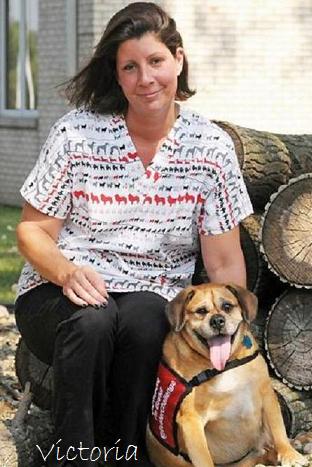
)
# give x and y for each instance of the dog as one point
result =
(213, 402)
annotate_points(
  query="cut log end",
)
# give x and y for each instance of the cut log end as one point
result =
(288, 338)
(286, 232)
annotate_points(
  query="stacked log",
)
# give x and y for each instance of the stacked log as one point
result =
(278, 174)
(268, 160)
(277, 245)
(264, 160)
(287, 247)
(288, 338)
(287, 232)
(300, 153)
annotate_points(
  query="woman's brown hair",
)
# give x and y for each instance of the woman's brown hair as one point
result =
(95, 86)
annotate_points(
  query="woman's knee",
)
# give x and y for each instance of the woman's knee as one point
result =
(91, 323)
(142, 320)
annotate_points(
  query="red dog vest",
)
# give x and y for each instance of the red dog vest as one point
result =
(170, 390)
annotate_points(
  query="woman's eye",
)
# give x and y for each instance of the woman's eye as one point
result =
(227, 307)
(129, 67)
(156, 61)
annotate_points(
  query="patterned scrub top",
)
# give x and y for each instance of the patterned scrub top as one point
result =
(138, 227)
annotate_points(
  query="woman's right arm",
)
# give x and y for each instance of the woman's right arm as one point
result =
(37, 234)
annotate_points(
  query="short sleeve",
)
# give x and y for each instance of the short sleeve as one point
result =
(227, 202)
(48, 186)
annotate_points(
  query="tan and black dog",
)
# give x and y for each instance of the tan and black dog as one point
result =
(213, 402)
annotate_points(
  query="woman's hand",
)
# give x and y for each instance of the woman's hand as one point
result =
(84, 286)
(37, 234)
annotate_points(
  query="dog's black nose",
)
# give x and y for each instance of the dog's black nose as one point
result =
(217, 322)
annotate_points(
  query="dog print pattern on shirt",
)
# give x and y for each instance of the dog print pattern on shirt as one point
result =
(138, 227)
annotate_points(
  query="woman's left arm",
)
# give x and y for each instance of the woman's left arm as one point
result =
(223, 257)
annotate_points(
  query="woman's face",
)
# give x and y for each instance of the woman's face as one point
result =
(148, 73)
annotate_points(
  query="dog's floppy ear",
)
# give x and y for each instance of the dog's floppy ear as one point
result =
(247, 300)
(176, 308)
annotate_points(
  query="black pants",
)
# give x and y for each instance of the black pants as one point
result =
(104, 363)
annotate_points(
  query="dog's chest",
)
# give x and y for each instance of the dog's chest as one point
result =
(235, 396)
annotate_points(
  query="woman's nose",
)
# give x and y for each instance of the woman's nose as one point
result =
(145, 75)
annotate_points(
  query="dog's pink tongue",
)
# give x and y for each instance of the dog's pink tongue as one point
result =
(220, 349)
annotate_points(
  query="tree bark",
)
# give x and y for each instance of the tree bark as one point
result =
(268, 160)
(264, 160)
(300, 152)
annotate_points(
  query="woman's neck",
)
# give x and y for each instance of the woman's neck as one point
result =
(152, 127)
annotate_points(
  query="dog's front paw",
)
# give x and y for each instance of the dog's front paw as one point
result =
(291, 457)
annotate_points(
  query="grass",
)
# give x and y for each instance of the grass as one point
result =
(10, 260)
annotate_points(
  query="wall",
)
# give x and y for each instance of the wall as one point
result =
(20, 146)
(251, 60)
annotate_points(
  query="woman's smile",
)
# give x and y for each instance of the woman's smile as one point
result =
(150, 94)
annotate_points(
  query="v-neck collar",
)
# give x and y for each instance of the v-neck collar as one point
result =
(163, 150)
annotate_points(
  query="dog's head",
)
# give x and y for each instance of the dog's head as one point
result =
(211, 315)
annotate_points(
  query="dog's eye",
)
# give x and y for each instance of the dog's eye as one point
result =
(227, 307)
(201, 311)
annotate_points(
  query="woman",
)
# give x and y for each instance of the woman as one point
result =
(125, 189)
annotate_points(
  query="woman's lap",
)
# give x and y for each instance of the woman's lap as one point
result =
(112, 353)
(134, 318)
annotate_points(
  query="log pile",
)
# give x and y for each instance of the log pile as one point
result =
(278, 173)
(277, 244)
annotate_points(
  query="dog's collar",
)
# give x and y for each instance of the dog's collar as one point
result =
(210, 373)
